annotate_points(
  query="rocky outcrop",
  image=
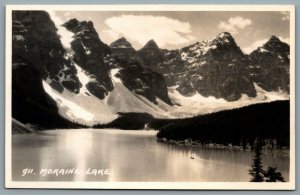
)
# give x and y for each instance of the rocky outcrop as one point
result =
(151, 55)
(270, 65)
(97, 59)
(135, 74)
(88, 52)
(30, 103)
(124, 51)
(36, 43)
(215, 67)
(37, 55)
(172, 68)
(145, 82)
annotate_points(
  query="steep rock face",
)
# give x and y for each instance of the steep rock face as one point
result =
(270, 65)
(97, 59)
(88, 52)
(145, 82)
(151, 55)
(30, 103)
(172, 68)
(36, 42)
(124, 51)
(37, 54)
(136, 77)
(217, 68)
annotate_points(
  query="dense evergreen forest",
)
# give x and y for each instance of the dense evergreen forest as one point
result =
(268, 121)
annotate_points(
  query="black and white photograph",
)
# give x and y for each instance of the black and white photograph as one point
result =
(150, 97)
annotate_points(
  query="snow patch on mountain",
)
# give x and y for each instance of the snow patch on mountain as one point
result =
(262, 50)
(266, 96)
(83, 78)
(187, 100)
(113, 74)
(189, 106)
(122, 99)
(84, 107)
(87, 51)
(194, 105)
(79, 108)
(87, 109)
(191, 54)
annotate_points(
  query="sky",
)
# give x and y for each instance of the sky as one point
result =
(177, 29)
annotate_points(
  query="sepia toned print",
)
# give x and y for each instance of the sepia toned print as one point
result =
(150, 97)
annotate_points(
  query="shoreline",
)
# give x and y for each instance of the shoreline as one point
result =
(188, 142)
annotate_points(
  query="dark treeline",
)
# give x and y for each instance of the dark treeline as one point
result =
(136, 121)
(129, 121)
(269, 121)
(266, 121)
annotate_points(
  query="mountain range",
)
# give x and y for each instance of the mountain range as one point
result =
(215, 67)
(91, 82)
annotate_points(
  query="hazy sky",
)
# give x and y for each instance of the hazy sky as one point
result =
(173, 29)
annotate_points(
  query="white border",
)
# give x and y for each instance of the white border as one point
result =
(148, 185)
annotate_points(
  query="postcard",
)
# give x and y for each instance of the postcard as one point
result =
(150, 97)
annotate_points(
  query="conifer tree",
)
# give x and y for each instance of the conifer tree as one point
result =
(272, 175)
(256, 170)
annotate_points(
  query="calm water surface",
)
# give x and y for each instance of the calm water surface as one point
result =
(129, 156)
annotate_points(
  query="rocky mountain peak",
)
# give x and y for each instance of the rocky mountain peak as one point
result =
(86, 36)
(271, 62)
(121, 43)
(71, 24)
(222, 44)
(224, 35)
(151, 55)
(274, 39)
(88, 52)
(223, 38)
(215, 67)
(151, 44)
(38, 57)
(274, 44)
(36, 44)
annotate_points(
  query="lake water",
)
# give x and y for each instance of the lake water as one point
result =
(128, 156)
